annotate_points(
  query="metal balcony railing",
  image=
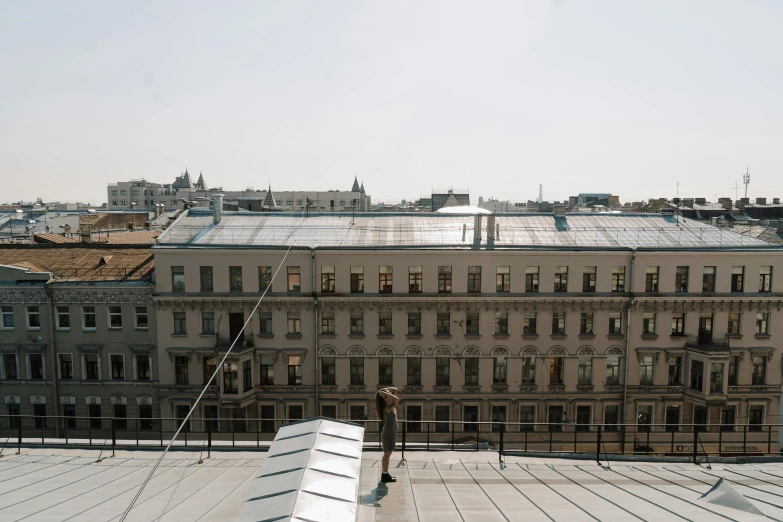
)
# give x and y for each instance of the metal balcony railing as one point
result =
(706, 340)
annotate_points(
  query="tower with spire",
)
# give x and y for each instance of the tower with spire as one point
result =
(200, 185)
(355, 187)
(269, 200)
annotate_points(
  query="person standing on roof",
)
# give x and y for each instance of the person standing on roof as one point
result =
(386, 408)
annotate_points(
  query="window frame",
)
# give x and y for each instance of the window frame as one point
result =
(6, 311)
(32, 311)
(444, 279)
(136, 315)
(112, 314)
(94, 315)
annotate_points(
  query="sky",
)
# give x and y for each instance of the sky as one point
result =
(629, 98)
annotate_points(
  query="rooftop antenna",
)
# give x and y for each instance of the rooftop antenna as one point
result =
(746, 180)
(735, 191)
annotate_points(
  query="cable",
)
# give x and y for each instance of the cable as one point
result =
(206, 386)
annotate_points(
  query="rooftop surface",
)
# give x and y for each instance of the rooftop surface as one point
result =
(139, 237)
(589, 230)
(81, 263)
(68, 484)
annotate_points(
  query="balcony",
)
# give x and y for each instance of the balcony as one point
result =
(225, 343)
(706, 342)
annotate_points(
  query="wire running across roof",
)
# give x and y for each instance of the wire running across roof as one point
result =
(344, 230)
(311, 473)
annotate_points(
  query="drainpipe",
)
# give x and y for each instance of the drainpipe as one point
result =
(627, 342)
(53, 357)
(315, 336)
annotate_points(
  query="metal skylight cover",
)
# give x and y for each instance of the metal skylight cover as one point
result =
(311, 473)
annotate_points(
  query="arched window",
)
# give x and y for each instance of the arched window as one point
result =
(499, 358)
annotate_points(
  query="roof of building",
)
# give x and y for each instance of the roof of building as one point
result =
(355, 187)
(137, 237)
(384, 230)
(82, 263)
(182, 182)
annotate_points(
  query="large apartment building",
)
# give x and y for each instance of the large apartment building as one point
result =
(77, 337)
(584, 318)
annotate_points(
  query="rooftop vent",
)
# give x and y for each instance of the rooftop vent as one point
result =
(761, 201)
(701, 201)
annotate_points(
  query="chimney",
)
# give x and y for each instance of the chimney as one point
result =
(776, 201)
(559, 209)
(688, 202)
(701, 201)
(491, 227)
(477, 229)
(85, 233)
(761, 201)
(218, 207)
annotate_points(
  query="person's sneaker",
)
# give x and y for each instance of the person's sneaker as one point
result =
(385, 477)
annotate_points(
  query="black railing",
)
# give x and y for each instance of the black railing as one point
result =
(706, 339)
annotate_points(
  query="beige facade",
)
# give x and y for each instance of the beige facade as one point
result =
(325, 347)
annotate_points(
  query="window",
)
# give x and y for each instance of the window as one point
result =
(414, 279)
(207, 323)
(527, 416)
(385, 279)
(265, 323)
(442, 416)
(114, 193)
(442, 371)
(414, 370)
(615, 323)
(708, 279)
(735, 320)
(471, 371)
(558, 323)
(612, 370)
(765, 279)
(357, 413)
(206, 278)
(678, 324)
(443, 324)
(756, 418)
(586, 324)
(529, 323)
(648, 323)
(385, 371)
(143, 367)
(327, 323)
(91, 367)
(501, 323)
(357, 371)
(498, 417)
(561, 279)
(474, 279)
(503, 279)
(13, 416)
(531, 279)
(118, 366)
(328, 371)
(66, 366)
(247, 375)
(120, 417)
(264, 278)
(651, 279)
(499, 368)
(414, 323)
(115, 317)
(556, 365)
(33, 318)
(762, 323)
(646, 370)
(69, 412)
(180, 323)
(733, 364)
(555, 418)
(208, 367)
(645, 417)
(444, 279)
(585, 375)
(9, 366)
(36, 366)
(145, 416)
(716, 378)
(672, 418)
(700, 418)
(675, 370)
(268, 370)
(727, 419)
(357, 323)
(327, 279)
(267, 418)
(618, 279)
(294, 323)
(235, 278)
(737, 278)
(177, 278)
(588, 279)
(681, 279)
(63, 318)
(697, 375)
(181, 373)
(472, 323)
(611, 417)
(470, 416)
(230, 377)
(759, 369)
(6, 318)
(583, 418)
(141, 318)
(357, 279)
(39, 413)
(88, 318)
(294, 278)
(384, 323)
(528, 369)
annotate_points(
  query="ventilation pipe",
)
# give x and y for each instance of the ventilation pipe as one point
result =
(218, 207)
(491, 227)
(477, 229)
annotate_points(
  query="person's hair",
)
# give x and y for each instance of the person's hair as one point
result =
(379, 404)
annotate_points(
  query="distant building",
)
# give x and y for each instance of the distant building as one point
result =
(440, 198)
(296, 201)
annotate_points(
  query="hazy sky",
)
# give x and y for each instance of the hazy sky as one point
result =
(582, 96)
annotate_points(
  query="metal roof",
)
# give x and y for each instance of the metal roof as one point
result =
(311, 473)
(385, 230)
